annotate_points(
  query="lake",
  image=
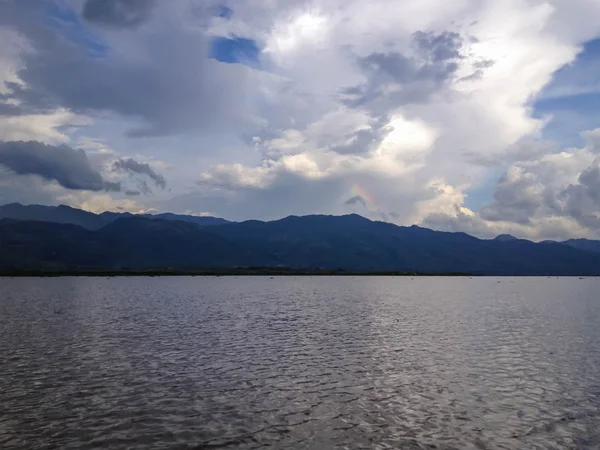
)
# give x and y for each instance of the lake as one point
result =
(299, 362)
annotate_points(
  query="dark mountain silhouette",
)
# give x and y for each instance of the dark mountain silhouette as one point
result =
(505, 238)
(57, 214)
(350, 243)
(584, 244)
(91, 221)
(126, 243)
(356, 243)
(139, 242)
(200, 220)
(46, 245)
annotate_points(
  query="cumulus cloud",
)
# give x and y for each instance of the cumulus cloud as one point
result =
(132, 166)
(393, 79)
(557, 184)
(410, 105)
(68, 167)
(51, 128)
(421, 115)
(554, 196)
(164, 78)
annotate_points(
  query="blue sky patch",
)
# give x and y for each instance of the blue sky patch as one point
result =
(573, 98)
(570, 116)
(235, 50)
(67, 22)
(480, 194)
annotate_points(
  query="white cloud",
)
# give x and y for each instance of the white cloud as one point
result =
(419, 160)
(303, 29)
(51, 128)
(98, 203)
(349, 99)
(553, 197)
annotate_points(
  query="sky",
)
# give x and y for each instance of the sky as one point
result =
(481, 116)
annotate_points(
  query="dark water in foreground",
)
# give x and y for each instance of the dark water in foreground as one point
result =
(305, 362)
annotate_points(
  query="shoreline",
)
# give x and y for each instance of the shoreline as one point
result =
(272, 272)
(213, 272)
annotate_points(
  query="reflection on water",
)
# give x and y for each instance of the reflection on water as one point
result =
(299, 362)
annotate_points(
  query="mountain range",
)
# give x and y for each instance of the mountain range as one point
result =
(86, 219)
(50, 238)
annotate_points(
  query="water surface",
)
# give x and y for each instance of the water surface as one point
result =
(299, 362)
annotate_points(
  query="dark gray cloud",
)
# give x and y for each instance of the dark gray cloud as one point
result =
(112, 186)
(525, 150)
(393, 79)
(118, 13)
(535, 192)
(516, 199)
(364, 141)
(527, 200)
(176, 88)
(7, 109)
(527, 192)
(582, 200)
(360, 142)
(132, 193)
(30, 102)
(590, 178)
(484, 64)
(67, 166)
(479, 70)
(134, 167)
(143, 187)
(438, 48)
(356, 200)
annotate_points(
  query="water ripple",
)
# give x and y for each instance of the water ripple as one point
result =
(301, 363)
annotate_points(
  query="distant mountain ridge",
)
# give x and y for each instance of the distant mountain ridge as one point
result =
(505, 238)
(350, 243)
(66, 214)
(584, 244)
